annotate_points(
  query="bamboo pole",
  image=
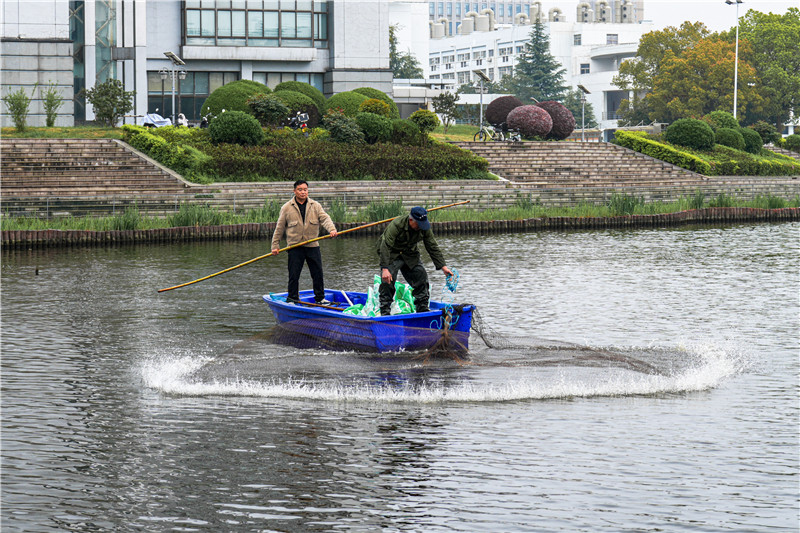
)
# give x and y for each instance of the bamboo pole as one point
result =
(298, 245)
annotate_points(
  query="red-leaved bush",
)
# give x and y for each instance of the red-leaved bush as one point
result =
(563, 121)
(531, 121)
(497, 111)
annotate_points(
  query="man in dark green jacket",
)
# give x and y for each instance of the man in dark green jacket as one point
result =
(398, 250)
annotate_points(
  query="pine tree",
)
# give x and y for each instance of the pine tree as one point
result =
(537, 73)
(402, 65)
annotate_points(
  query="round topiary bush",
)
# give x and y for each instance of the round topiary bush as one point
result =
(690, 132)
(235, 127)
(347, 101)
(563, 121)
(373, 105)
(306, 89)
(375, 127)
(499, 108)
(233, 97)
(721, 119)
(299, 102)
(342, 129)
(530, 120)
(792, 142)
(370, 92)
(729, 137)
(425, 120)
(405, 132)
(752, 141)
(268, 109)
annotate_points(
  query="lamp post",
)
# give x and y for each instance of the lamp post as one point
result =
(736, 64)
(483, 77)
(584, 92)
(176, 61)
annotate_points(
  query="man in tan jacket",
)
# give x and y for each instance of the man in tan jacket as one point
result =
(300, 219)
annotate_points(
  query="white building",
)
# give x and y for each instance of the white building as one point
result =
(335, 45)
(590, 52)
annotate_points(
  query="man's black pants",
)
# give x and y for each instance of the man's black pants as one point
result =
(417, 277)
(312, 256)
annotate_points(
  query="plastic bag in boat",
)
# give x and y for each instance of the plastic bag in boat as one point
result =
(403, 301)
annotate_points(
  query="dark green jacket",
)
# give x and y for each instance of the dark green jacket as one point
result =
(399, 240)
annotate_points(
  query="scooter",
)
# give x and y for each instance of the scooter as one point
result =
(300, 122)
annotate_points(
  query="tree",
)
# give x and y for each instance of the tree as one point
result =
(537, 73)
(776, 58)
(573, 102)
(402, 65)
(18, 104)
(110, 101)
(52, 101)
(638, 74)
(445, 105)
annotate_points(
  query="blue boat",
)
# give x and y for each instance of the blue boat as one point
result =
(308, 325)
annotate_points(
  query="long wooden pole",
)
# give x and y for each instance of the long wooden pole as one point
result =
(297, 245)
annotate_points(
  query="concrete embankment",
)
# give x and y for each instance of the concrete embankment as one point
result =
(24, 239)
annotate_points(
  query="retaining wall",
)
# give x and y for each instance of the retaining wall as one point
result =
(13, 239)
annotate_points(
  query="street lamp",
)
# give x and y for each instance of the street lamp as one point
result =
(483, 77)
(584, 92)
(736, 64)
(176, 61)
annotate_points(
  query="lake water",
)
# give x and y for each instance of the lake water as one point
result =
(653, 386)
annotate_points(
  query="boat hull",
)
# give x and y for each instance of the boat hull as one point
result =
(319, 327)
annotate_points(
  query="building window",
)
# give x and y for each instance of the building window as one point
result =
(257, 23)
(190, 94)
(432, 8)
(576, 39)
(584, 68)
(272, 79)
(612, 38)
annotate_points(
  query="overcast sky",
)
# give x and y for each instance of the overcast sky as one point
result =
(715, 14)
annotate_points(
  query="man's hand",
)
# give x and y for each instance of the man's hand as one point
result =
(334, 233)
(447, 271)
(386, 276)
(275, 251)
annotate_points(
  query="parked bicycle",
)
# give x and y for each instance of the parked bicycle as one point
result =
(487, 132)
(509, 134)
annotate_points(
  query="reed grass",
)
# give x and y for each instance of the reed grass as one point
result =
(200, 215)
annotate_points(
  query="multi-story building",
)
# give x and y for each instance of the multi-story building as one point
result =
(335, 45)
(590, 51)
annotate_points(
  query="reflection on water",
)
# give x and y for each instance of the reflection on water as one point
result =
(636, 380)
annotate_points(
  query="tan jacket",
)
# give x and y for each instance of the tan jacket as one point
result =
(291, 223)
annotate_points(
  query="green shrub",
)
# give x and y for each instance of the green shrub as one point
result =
(373, 105)
(721, 119)
(642, 144)
(381, 210)
(690, 132)
(752, 140)
(347, 101)
(235, 127)
(52, 102)
(766, 130)
(729, 137)
(183, 159)
(269, 109)
(304, 88)
(342, 129)
(722, 200)
(370, 92)
(792, 142)
(622, 204)
(18, 104)
(698, 200)
(376, 128)
(425, 120)
(405, 132)
(233, 97)
(110, 101)
(298, 102)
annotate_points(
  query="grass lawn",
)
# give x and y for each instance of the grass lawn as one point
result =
(455, 133)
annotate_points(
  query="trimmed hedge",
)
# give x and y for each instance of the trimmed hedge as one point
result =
(753, 143)
(425, 120)
(347, 101)
(690, 132)
(371, 92)
(269, 109)
(640, 143)
(233, 97)
(498, 109)
(182, 159)
(373, 105)
(299, 102)
(729, 137)
(327, 161)
(306, 89)
(563, 121)
(376, 128)
(530, 120)
(235, 127)
(721, 119)
(405, 132)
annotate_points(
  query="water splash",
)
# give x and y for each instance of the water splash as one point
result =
(373, 379)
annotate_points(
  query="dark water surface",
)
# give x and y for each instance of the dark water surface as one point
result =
(652, 386)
